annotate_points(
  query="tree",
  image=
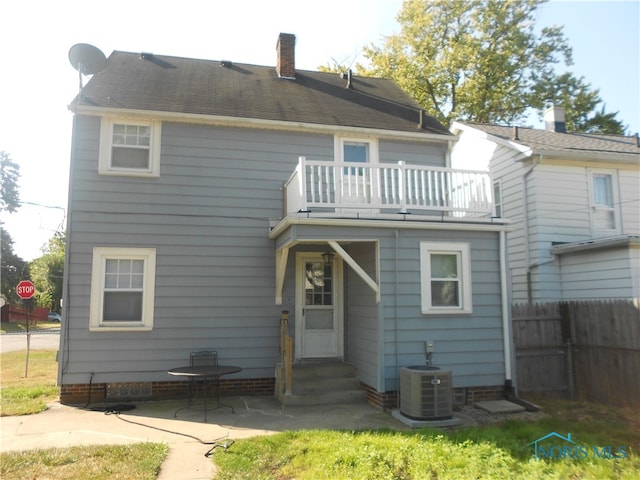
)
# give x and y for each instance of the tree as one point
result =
(47, 272)
(580, 102)
(12, 267)
(9, 176)
(602, 122)
(471, 60)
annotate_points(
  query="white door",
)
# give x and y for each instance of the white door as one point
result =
(357, 187)
(318, 313)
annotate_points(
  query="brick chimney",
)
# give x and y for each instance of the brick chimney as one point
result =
(554, 119)
(286, 48)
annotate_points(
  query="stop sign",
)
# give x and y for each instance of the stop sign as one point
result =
(25, 289)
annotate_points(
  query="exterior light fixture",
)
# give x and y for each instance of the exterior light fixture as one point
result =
(327, 257)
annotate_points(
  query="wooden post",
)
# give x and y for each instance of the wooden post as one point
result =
(286, 346)
(288, 370)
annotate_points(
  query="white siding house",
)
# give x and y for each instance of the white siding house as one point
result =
(574, 203)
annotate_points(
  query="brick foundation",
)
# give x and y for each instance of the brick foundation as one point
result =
(83, 393)
(461, 396)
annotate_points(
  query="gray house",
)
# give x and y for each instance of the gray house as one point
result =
(208, 197)
(573, 200)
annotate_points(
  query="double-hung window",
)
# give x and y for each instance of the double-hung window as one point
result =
(122, 288)
(445, 277)
(603, 205)
(497, 198)
(129, 148)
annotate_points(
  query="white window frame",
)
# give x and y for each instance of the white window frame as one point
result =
(100, 257)
(370, 196)
(498, 205)
(340, 141)
(596, 230)
(461, 250)
(106, 138)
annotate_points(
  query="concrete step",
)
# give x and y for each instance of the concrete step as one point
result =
(319, 385)
(324, 384)
(322, 370)
(326, 398)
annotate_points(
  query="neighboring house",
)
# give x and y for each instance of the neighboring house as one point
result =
(574, 201)
(203, 195)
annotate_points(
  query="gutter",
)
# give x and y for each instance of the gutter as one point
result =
(244, 122)
(448, 223)
(597, 244)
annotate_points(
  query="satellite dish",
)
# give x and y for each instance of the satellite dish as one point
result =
(86, 59)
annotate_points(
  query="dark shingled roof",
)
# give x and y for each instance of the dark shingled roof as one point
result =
(206, 87)
(550, 142)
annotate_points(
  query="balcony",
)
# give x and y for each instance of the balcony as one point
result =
(359, 188)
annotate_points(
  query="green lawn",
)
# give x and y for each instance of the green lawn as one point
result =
(492, 452)
(24, 396)
(7, 327)
(495, 452)
(121, 462)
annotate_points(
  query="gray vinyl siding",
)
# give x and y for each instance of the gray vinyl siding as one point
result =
(208, 216)
(362, 312)
(470, 345)
(413, 153)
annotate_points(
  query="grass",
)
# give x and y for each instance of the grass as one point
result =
(7, 327)
(498, 451)
(122, 462)
(24, 396)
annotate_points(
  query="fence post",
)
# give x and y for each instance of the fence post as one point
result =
(570, 379)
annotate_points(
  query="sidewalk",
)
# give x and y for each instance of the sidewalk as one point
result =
(188, 437)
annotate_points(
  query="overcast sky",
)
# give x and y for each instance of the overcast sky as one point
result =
(38, 81)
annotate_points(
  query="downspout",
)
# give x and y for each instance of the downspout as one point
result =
(510, 388)
(526, 224)
(396, 317)
(504, 293)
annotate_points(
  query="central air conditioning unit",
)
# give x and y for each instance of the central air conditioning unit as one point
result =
(426, 393)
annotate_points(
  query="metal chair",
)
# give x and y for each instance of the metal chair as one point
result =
(202, 358)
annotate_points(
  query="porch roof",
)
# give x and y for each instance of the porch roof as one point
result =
(291, 231)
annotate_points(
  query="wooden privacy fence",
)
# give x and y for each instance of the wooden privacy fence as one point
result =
(588, 350)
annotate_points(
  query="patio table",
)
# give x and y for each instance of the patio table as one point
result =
(206, 373)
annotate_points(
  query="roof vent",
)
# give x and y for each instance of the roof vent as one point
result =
(146, 56)
(226, 63)
(516, 133)
(348, 76)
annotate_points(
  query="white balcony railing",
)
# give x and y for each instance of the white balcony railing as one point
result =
(386, 187)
